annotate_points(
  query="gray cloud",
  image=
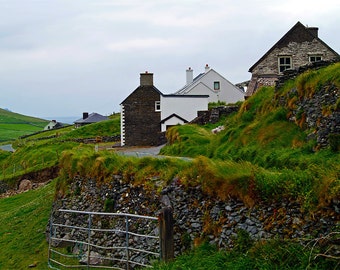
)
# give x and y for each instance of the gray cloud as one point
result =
(64, 57)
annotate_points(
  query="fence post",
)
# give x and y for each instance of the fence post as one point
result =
(166, 231)
(89, 242)
(127, 242)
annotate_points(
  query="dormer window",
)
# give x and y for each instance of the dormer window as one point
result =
(315, 58)
(285, 62)
(216, 86)
(157, 106)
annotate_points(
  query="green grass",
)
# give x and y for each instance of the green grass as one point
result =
(44, 149)
(23, 221)
(259, 156)
(281, 160)
(14, 125)
(104, 128)
(272, 254)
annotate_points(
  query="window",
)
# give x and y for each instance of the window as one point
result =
(285, 62)
(216, 85)
(157, 106)
(315, 58)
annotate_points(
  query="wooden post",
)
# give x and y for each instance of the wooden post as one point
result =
(166, 231)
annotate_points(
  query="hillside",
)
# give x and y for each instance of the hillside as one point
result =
(272, 173)
(14, 125)
(271, 155)
(41, 151)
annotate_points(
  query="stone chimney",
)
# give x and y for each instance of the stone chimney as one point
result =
(85, 115)
(146, 79)
(207, 68)
(190, 75)
(313, 30)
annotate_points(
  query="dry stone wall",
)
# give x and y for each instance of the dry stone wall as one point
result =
(198, 217)
(318, 112)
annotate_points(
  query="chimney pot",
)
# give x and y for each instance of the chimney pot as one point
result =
(190, 75)
(207, 68)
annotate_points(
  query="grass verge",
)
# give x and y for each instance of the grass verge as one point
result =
(23, 220)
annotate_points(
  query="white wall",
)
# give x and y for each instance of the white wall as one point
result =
(173, 121)
(228, 92)
(184, 106)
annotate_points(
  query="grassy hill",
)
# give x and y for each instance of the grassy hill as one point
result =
(43, 150)
(260, 155)
(14, 125)
(23, 220)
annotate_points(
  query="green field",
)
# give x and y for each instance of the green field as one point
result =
(14, 125)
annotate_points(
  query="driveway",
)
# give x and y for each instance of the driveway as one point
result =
(139, 151)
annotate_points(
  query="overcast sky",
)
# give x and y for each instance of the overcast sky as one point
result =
(65, 57)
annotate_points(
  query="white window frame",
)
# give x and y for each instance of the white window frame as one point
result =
(314, 56)
(284, 65)
(217, 85)
(157, 106)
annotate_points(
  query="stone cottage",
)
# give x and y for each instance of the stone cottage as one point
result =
(146, 113)
(300, 46)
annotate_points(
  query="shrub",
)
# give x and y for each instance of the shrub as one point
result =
(334, 142)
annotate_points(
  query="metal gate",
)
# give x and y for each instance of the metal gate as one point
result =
(89, 240)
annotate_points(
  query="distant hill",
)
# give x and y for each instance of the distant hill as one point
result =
(13, 125)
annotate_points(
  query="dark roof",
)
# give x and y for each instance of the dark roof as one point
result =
(92, 118)
(183, 90)
(153, 88)
(297, 33)
(174, 115)
(185, 96)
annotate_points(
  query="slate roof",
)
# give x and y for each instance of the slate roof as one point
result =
(187, 87)
(92, 118)
(153, 88)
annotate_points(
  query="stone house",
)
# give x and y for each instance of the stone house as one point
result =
(89, 119)
(300, 46)
(147, 112)
(213, 84)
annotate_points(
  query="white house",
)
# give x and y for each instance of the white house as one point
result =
(180, 109)
(53, 124)
(213, 84)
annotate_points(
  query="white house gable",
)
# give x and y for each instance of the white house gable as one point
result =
(213, 84)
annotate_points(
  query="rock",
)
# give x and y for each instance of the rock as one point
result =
(95, 258)
(25, 185)
(32, 265)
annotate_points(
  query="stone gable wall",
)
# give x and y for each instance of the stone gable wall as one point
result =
(141, 121)
(300, 56)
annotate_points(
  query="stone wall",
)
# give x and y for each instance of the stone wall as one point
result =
(198, 217)
(214, 115)
(317, 113)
